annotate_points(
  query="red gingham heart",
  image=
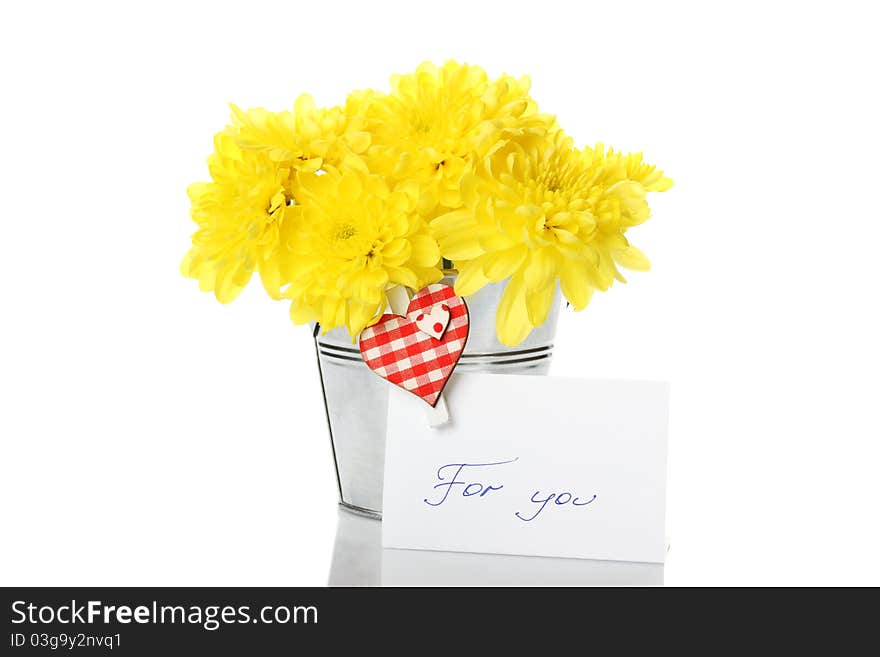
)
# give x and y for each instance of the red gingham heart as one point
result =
(398, 351)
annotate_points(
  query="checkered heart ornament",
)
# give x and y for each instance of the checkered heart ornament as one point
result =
(415, 358)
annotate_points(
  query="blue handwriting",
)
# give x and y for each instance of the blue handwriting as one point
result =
(470, 489)
(559, 499)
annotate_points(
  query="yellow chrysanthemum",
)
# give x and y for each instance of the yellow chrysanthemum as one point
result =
(239, 215)
(538, 211)
(306, 139)
(436, 121)
(351, 239)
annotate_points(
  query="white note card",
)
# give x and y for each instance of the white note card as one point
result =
(530, 465)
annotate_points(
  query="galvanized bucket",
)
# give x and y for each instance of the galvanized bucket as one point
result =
(356, 398)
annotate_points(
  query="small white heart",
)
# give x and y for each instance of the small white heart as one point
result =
(434, 323)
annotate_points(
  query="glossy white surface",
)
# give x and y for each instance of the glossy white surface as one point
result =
(360, 560)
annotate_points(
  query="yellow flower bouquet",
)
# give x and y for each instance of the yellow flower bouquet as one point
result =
(448, 176)
(334, 207)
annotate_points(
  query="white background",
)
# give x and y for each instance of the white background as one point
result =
(152, 436)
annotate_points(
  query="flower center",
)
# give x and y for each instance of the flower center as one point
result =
(553, 185)
(559, 176)
(345, 231)
(552, 180)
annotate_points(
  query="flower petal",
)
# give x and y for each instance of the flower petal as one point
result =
(538, 304)
(631, 258)
(470, 277)
(574, 282)
(541, 268)
(425, 252)
(512, 319)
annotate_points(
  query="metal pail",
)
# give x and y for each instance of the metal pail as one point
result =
(356, 398)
